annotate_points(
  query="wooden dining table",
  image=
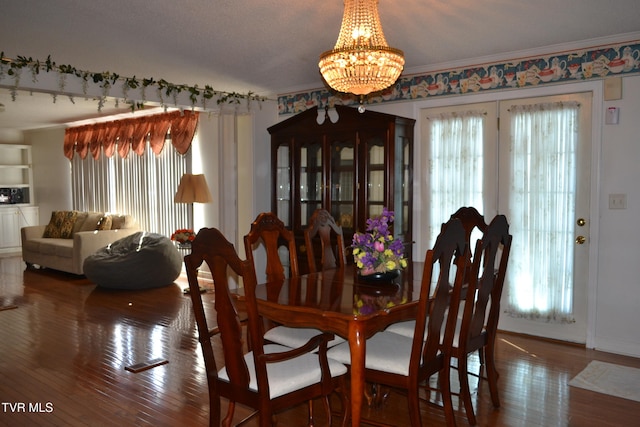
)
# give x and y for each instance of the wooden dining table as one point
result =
(339, 302)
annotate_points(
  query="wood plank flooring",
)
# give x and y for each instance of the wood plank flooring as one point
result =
(64, 346)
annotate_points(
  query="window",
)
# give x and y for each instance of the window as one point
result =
(456, 164)
(142, 186)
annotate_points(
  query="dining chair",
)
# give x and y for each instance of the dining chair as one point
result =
(271, 231)
(322, 228)
(269, 378)
(470, 219)
(405, 363)
(479, 311)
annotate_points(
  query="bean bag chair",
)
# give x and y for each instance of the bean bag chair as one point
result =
(139, 261)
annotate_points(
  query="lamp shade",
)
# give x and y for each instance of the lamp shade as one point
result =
(192, 189)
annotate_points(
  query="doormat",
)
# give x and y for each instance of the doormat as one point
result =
(608, 378)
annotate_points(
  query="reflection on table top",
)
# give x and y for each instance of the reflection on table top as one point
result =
(340, 292)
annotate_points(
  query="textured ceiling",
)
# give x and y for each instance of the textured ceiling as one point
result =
(272, 46)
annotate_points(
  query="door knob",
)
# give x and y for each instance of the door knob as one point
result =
(580, 240)
(581, 222)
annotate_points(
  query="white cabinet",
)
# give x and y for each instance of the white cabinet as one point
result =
(9, 228)
(29, 215)
(12, 219)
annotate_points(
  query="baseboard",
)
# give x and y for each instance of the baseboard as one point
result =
(609, 345)
(539, 338)
(10, 252)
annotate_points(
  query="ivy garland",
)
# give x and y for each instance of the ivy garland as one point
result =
(106, 80)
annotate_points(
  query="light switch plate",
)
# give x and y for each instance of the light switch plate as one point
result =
(617, 201)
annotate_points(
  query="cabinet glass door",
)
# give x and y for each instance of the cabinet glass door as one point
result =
(402, 185)
(310, 181)
(375, 176)
(343, 185)
(283, 184)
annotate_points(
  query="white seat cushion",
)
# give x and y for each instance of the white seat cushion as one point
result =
(405, 328)
(386, 352)
(295, 337)
(290, 375)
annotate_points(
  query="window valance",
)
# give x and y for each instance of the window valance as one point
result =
(128, 135)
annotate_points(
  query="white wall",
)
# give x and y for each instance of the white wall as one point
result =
(264, 118)
(51, 172)
(260, 187)
(617, 302)
(205, 152)
(11, 136)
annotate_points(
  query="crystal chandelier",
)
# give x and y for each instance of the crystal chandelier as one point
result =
(361, 62)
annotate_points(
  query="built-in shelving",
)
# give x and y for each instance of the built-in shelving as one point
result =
(17, 208)
(16, 171)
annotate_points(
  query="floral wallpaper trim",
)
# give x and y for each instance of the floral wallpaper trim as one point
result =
(590, 63)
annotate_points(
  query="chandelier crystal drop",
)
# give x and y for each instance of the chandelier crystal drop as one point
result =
(361, 61)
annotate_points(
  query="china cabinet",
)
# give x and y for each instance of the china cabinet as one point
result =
(353, 167)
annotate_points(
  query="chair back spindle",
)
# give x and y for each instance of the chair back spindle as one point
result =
(323, 227)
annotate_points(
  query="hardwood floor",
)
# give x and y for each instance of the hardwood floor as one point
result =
(64, 346)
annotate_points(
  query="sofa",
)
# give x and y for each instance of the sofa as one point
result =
(71, 236)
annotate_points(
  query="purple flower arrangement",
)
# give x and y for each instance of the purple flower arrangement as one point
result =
(377, 251)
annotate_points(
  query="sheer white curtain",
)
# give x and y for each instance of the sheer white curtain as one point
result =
(142, 186)
(455, 169)
(542, 156)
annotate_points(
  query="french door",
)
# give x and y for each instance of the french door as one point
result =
(535, 169)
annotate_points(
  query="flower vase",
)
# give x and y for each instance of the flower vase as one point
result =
(379, 277)
(184, 245)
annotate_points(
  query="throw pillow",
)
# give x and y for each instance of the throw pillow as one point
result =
(80, 219)
(104, 223)
(121, 221)
(117, 222)
(61, 225)
(91, 223)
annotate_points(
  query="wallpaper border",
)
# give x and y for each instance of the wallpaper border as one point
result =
(585, 64)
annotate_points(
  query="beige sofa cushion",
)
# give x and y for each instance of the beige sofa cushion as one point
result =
(61, 225)
(80, 219)
(31, 245)
(58, 247)
(121, 221)
(91, 223)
